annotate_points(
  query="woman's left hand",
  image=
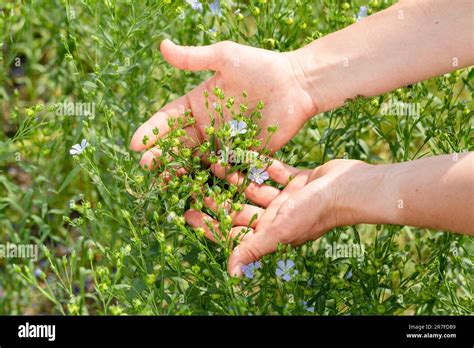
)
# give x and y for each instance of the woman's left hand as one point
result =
(311, 203)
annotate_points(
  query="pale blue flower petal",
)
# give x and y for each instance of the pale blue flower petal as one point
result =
(215, 8)
(281, 264)
(195, 4)
(242, 127)
(290, 264)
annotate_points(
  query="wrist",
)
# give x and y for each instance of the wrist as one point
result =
(327, 72)
(355, 61)
(299, 67)
(305, 73)
(369, 196)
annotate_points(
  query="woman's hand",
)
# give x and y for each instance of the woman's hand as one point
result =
(267, 76)
(435, 192)
(312, 202)
(365, 59)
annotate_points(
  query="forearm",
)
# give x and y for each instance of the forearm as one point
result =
(435, 192)
(406, 43)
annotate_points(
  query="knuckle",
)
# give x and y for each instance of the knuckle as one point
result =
(251, 191)
(253, 252)
(278, 171)
(185, 57)
(226, 44)
(224, 49)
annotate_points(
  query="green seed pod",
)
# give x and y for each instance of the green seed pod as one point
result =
(210, 130)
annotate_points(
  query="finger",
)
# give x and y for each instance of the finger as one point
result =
(261, 195)
(145, 136)
(252, 248)
(280, 228)
(199, 219)
(193, 101)
(193, 57)
(241, 232)
(151, 158)
(248, 216)
(167, 175)
(281, 173)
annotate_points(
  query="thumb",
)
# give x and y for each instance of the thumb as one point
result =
(193, 57)
(252, 248)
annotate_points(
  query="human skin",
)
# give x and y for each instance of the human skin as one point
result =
(435, 192)
(409, 42)
(406, 43)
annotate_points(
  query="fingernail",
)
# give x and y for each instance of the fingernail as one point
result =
(237, 270)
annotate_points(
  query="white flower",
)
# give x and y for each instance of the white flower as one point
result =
(237, 127)
(77, 149)
(170, 217)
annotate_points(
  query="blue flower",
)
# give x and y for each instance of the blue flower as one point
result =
(215, 8)
(37, 272)
(284, 270)
(362, 13)
(195, 4)
(348, 275)
(258, 175)
(237, 127)
(250, 268)
(77, 149)
(308, 308)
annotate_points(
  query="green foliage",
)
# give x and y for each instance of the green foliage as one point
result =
(112, 236)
